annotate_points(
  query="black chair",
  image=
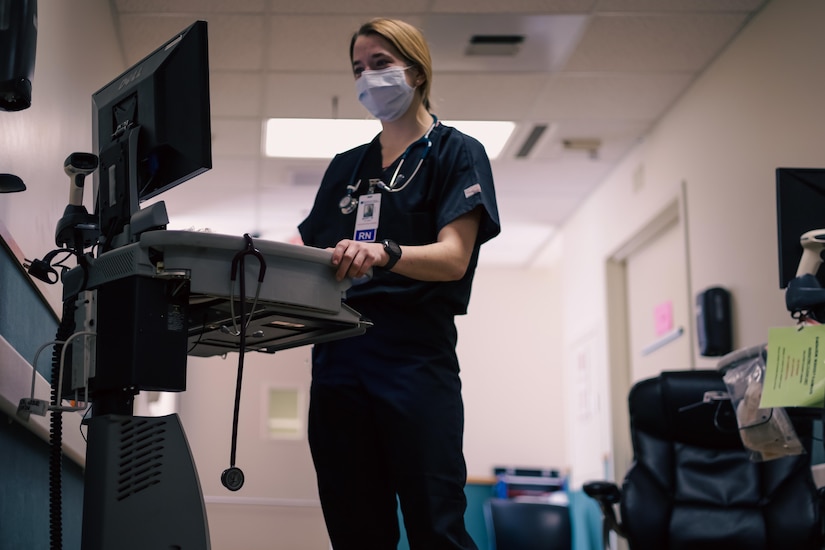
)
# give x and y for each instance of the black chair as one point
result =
(692, 484)
(527, 525)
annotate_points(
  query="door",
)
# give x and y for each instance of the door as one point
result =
(649, 315)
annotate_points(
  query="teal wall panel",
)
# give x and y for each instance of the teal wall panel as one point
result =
(27, 322)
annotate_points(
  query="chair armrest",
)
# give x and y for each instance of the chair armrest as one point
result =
(606, 493)
(603, 491)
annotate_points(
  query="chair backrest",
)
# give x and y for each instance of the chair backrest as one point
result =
(692, 483)
(520, 525)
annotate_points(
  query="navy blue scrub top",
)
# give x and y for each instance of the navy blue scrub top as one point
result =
(454, 179)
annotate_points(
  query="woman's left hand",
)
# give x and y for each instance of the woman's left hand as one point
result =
(444, 260)
(354, 258)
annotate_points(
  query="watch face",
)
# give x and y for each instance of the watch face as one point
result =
(392, 247)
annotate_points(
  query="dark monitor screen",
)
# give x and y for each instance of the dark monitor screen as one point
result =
(152, 128)
(800, 207)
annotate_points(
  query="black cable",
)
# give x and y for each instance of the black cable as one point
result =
(64, 331)
(241, 353)
(200, 334)
(82, 421)
(232, 478)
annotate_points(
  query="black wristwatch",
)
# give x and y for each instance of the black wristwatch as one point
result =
(393, 251)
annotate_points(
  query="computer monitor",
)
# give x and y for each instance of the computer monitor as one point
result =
(800, 207)
(151, 129)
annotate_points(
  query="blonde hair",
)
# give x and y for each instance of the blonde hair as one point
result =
(410, 43)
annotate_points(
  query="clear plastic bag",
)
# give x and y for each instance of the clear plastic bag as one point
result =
(767, 433)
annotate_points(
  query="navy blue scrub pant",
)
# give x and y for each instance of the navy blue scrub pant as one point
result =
(386, 422)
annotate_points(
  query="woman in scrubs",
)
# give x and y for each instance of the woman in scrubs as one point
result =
(413, 206)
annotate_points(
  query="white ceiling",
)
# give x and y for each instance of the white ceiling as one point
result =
(589, 69)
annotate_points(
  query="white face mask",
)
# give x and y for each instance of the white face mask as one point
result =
(385, 93)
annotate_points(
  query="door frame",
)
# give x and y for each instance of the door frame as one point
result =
(618, 337)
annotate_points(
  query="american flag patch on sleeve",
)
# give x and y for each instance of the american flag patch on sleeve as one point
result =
(472, 190)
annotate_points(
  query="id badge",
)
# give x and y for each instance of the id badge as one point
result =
(366, 219)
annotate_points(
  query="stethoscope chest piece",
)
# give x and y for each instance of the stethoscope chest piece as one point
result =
(398, 181)
(232, 478)
(348, 204)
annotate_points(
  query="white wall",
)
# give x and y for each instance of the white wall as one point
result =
(509, 347)
(77, 54)
(278, 500)
(758, 107)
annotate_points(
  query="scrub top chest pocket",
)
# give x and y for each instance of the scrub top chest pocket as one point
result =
(406, 223)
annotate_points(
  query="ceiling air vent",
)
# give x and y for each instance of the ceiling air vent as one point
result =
(494, 44)
(531, 140)
(589, 145)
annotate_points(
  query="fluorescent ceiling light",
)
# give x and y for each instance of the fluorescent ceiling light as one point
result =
(324, 138)
(316, 137)
(493, 134)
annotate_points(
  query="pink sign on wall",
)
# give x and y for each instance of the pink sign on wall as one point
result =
(663, 318)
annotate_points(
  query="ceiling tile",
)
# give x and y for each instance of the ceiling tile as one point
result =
(240, 37)
(671, 43)
(234, 6)
(513, 6)
(657, 6)
(312, 95)
(235, 93)
(617, 137)
(536, 208)
(157, 6)
(141, 34)
(621, 96)
(328, 50)
(548, 41)
(505, 96)
(190, 6)
(371, 8)
(232, 137)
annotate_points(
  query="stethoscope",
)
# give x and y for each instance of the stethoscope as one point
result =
(233, 478)
(398, 181)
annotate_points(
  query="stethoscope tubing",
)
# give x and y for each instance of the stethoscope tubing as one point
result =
(348, 203)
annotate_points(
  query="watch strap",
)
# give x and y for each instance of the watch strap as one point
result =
(393, 251)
